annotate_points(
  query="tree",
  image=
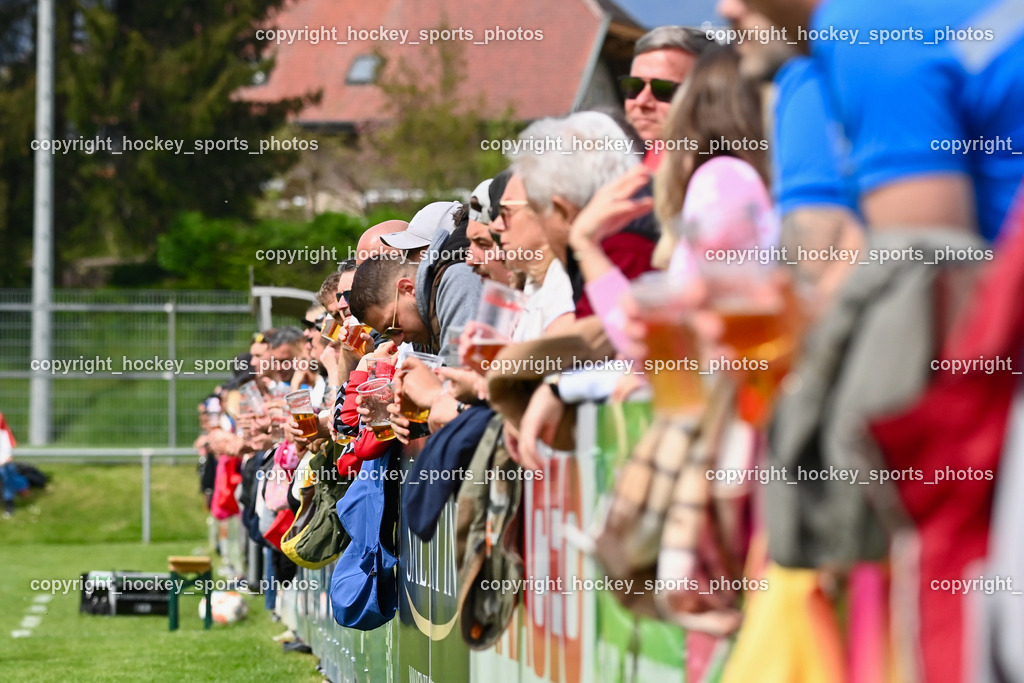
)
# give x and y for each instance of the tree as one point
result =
(432, 139)
(131, 72)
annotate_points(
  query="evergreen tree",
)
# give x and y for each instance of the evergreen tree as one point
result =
(134, 72)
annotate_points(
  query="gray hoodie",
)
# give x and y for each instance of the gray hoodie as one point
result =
(457, 295)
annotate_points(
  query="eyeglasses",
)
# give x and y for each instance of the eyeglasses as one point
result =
(503, 208)
(661, 89)
(393, 331)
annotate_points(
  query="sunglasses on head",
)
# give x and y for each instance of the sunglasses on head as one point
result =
(661, 89)
(393, 331)
(257, 338)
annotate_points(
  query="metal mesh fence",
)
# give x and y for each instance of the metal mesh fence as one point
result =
(111, 354)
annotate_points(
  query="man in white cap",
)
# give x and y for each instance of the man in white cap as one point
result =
(421, 296)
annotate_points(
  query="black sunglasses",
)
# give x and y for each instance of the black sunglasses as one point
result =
(313, 324)
(661, 89)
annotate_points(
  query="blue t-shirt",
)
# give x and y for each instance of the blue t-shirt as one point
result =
(947, 96)
(808, 143)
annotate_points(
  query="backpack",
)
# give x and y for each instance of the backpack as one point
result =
(32, 475)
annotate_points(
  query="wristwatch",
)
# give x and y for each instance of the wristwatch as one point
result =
(552, 381)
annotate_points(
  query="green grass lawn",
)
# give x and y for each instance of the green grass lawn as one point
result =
(89, 519)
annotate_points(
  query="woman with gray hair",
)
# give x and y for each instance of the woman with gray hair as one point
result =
(580, 154)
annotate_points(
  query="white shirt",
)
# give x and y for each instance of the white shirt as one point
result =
(6, 450)
(545, 303)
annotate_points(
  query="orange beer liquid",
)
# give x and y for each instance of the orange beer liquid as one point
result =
(482, 350)
(331, 329)
(383, 431)
(308, 424)
(353, 338)
(413, 413)
(767, 333)
(676, 391)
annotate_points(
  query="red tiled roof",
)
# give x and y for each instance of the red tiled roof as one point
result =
(538, 78)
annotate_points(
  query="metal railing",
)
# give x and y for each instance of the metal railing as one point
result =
(105, 456)
(125, 368)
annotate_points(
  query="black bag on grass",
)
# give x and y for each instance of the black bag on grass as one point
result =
(35, 478)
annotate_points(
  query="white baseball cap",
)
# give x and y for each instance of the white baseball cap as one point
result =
(423, 226)
(480, 203)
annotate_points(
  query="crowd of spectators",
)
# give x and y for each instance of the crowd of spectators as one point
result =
(698, 262)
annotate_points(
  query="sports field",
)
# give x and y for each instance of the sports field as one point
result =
(89, 519)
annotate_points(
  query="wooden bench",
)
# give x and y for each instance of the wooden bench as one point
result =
(192, 568)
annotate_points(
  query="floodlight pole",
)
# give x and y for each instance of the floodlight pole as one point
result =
(42, 228)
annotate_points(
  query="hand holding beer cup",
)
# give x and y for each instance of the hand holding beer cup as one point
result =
(294, 431)
(756, 306)
(356, 338)
(301, 408)
(417, 386)
(331, 328)
(671, 345)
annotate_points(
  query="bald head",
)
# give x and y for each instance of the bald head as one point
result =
(370, 244)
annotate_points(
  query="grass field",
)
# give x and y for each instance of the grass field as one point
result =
(89, 519)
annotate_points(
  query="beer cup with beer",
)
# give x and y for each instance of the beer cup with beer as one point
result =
(353, 337)
(410, 410)
(331, 328)
(375, 396)
(756, 304)
(301, 408)
(380, 368)
(672, 367)
(496, 318)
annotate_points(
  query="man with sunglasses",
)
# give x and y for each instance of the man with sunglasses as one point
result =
(326, 296)
(662, 59)
(346, 271)
(484, 256)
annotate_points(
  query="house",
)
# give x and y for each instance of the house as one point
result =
(540, 57)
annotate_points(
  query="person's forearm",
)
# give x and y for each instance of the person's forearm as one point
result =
(605, 294)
